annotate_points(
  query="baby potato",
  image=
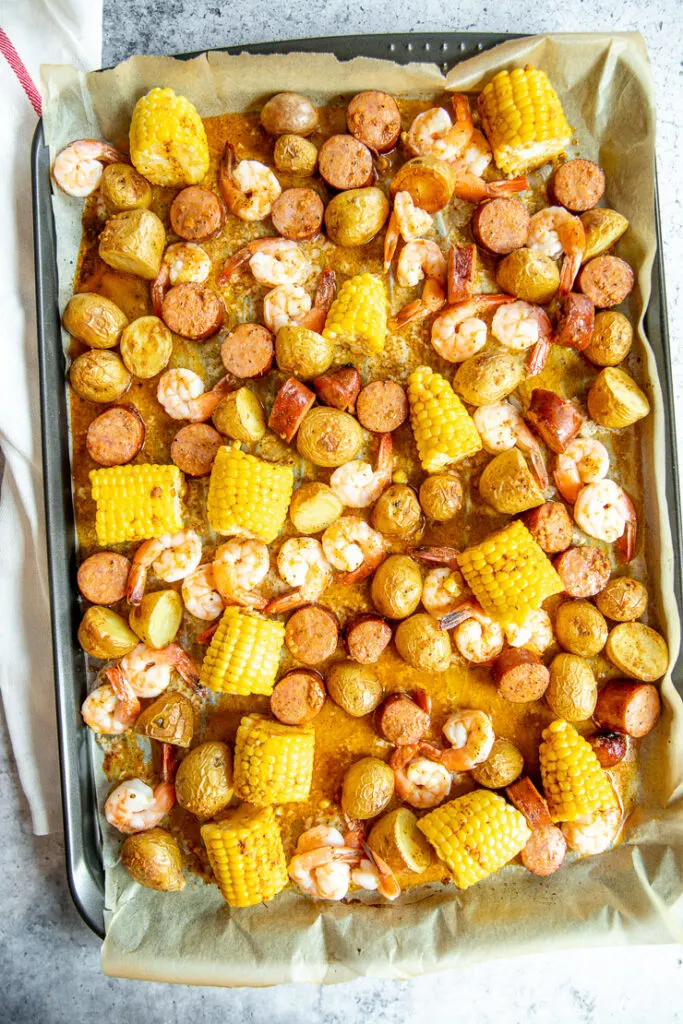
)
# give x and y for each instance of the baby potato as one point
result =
(623, 599)
(580, 628)
(355, 216)
(153, 859)
(99, 376)
(329, 437)
(487, 377)
(289, 113)
(502, 767)
(422, 644)
(354, 687)
(124, 188)
(397, 512)
(603, 229)
(146, 346)
(295, 155)
(572, 692)
(429, 181)
(314, 507)
(134, 241)
(104, 634)
(508, 485)
(240, 415)
(367, 788)
(615, 400)
(169, 719)
(94, 320)
(611, 339)
(304, 354)
(441, 496)
(157, 618)
(397, 840)
(638, 651)
(529, 275)
(203, 784)
(397, 587)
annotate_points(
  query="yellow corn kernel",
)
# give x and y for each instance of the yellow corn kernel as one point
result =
(244, 654)
(273, 762)
(358, 316)
(248, 496)
(136, 502)
(246, 855)
(167, 139)
(443, 429)
(475, 835)
(575, 784)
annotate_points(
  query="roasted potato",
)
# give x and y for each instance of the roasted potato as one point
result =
(146, 346)
(153, 859)
(580, 628)
(572, 691)
(638, 651)
(295, 155)
(430, 182)
(502, 767)
(289, 113)
(203, 784)
(354, 687)
(611, 339)
(488, 376)
(623, 599)
(157, 618)
(397, 512)
(169, 719)
(94, 320)
(397, 840)
(303, 353)
(422, 644)
(134, 241)
(99, 376)
(329, 437)
(355, 216)
(441, 496)
(603, 229)
(529, 275)
(124, 188)
(314, 507)
(367, 788)
(508, 485)
(240, 415)
(104, 634)
(615, 400)
(397, 587)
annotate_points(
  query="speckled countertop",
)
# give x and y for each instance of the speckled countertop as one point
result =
(49, 961)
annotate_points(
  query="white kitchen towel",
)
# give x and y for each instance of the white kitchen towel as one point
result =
(42, 32)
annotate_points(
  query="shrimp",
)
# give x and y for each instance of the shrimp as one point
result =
(249, 189)
(408, 222)
(301, 563)
(135, 807)
(171, 556)
(536, 632)
(148, 671)
(478, 637)
(419, 260)
(374, 873)
(105, 714)
(77, 169)
(433, 298)
(471, 736)
(317, 836)
(200, 596)
(555, 231)
(595, 834)
(432, 132)
(323, 871)
(584, 461)
(458, 332)
(604, 511)
(182, 395)
(435, 555)
(354, 547)
(291, 304)
(443, 591)
(473, 189)
(183, 262)
(519, 325)
(239, 566)
(477, 154)
(420, 781)
(501, 427)
(357, 485)
(272, 261)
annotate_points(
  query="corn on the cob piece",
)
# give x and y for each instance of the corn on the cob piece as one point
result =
(358, 316)
(167, 139)
(523, 119)
(247, 495)
(443, 429)
(246, 854)
(509, 573)
(575, 785)
(273, 762)
(475, 835)
(137, 502)
(244, 654)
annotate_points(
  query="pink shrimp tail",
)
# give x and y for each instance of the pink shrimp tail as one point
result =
(324, 297)
(129, 702)
(570, 268)
(538, 356)
(432, 299)
(159, 286)
(184, 666)
(206, 636)
(435, 555)
(626, 545)
(461, 269)
(288, 602)
(390, 240)
(538, 468)
(466, 610)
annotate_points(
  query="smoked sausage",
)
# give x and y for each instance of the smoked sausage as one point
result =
(192, 311)
(382, 406)
(196, 214)
(248, 351)
(628, 707)
(550, 525)
(578, 185)
(311, 634)
(298, 697)
(462, 267)
(103, 577)
(291, 404)
(500, 225)
(520, 675)
(115, 436)
(345, 163)
(546, 847)
(584, 571)
(374, 119)
(401, 721)
(607, 281)
(556, 419)
(195, 447)
(339, 388)
(367, 637)
(297, 214)
(609, 747)
(577, 321)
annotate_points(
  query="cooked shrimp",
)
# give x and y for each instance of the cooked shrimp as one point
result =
(148, 671)
(373, 873)
(301, 562)
(183, 262)
(407, 221)
(285, 304)
(324, 871)
(419, 260)
(420, 781)
(477, 154)
(443, 591)
(317, 836)
(433, 298)
(479, 639)
(471, 736)
(432, 133)
(135, 807)
(473, 189)
(458, 332)
(239, 566)
(437, 555)
(181, 393)
(200, 596)
(501, 427)
(322, 300)
(272, 261)
(519, 325)
(604, 511)
(536, 632)
(77, 169)
(592, 835)
(357, 485)
(354, 547)
(105, 714)
(554, 231)
(249, 189)
(171, 556)
(584, 461)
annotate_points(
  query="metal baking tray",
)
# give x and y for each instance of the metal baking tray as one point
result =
(83, 841)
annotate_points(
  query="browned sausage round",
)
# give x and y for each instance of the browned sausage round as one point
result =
(102, 578)
(575, 326)
(401, 721)
(115, 436)
(609, 747)
(500, 225)
(367, 637)
(584, 571)
(311, 634)
(195, 447)
(520, 675)
(298, 697)
(374, 118)
(556, 419)
(579, 185)
(339, 388)
(344, 162)
(291, 404)
(545, 850)
(550, 525)
(196, 213)
(462, 271)
(248, 350)
(382, 406)
(628, 707)
(192, 311)
(298, 213)
(523, 795)
(606, 281)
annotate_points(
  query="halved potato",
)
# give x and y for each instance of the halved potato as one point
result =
(314, 507)
(638, 651)
(157, 618)
(104, 634)
(134, 241)
(397, 840)
(240, 415)
(146, 346)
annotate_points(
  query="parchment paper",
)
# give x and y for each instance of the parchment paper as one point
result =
(633, 894)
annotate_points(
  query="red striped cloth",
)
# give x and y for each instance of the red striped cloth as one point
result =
(19, 68)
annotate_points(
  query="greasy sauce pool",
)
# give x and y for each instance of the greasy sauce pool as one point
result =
(340, 739)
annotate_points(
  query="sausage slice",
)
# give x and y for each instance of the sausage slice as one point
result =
(298, 214)
(607, 281)
(576, 323)
(311, 634)
(339, 388)
(195, 447)
(102, 578)
(192, 311)
(291, 404)
(578, 185)
(367, 637)
(609, 747)
(584, 571)
(382, 406)
(374, 119)
(196, 214)
(115, 436)
(401, 721)
(345, 163)
(556, 419)
(500, 225)
(628, 707)
(550, 525)
(248, 351)
(545, 850)
(520, 675)
(462, 267)
(523, 795)
(298, 697)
